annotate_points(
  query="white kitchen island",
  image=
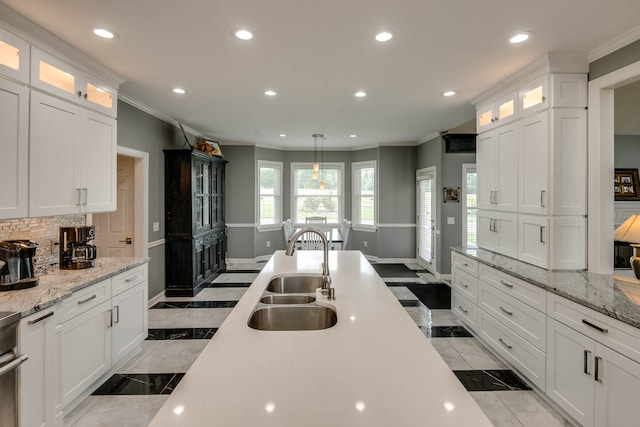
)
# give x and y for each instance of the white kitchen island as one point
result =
(373, 368)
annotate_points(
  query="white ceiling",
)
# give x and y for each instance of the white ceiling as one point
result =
(317, 54)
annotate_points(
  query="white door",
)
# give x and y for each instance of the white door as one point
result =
(115, 230)
(426, 217)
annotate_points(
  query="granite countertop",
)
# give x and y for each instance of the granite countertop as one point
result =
(370, 369)
(56, 285)
(612, 295)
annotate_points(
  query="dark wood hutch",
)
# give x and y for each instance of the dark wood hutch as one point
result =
(196, 242)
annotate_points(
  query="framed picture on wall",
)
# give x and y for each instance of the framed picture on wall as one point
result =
(625, 184)
(452, 194)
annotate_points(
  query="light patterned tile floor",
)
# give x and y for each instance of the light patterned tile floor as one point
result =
(504, 408)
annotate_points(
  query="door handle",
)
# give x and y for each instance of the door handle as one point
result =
(542, 234)
(586, 362)
(79, 191)
(128, 240)
(597, 373)
(542, 194)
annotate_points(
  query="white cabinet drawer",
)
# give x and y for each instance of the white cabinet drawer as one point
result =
(465, 283)
(466, 311)
(524, 357)
(606, 330)
(467, 264)
(128, 279)
(524, 320)
(85, 299)
(519, 289)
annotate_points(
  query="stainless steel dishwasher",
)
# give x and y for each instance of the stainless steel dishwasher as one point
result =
(9, 362)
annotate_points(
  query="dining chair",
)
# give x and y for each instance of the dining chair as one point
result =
(345, 228)
(315, 220)
(287, 228)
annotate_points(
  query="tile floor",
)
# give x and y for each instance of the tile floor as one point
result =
(180, 327)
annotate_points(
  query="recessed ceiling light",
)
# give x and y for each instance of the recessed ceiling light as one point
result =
(179, 90)
(104, 33)
(269, 93)
(361, 94)
(353, 135)
(519, 37)
(282, 135)
(449, 93)
(384, 36)
(243, 34)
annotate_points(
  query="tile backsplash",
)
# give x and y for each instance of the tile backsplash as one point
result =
(44, 231)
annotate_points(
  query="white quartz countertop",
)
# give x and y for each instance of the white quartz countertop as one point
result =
(373, 368)
(56, 285)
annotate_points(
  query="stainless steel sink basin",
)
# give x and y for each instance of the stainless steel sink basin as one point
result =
(293, 318)
(287, 299)
(295, 284)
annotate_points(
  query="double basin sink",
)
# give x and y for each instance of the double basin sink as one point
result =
(289, 304)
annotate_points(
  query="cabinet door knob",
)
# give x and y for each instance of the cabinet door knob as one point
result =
(79, 93)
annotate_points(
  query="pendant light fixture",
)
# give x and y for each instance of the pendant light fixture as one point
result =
(316, 165)
(321, 185)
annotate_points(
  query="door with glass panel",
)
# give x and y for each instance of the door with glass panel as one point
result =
(426, 217)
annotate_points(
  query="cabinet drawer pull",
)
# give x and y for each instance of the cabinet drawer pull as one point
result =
(507, 284)
(39, 319)
(463, 310)
(131, 279)
(597, 374)
(586, 362)
(510, 313)
(542, 234)
(596, 327)
(110, 318)
(117, 310)
(505, 344)
(92, 297)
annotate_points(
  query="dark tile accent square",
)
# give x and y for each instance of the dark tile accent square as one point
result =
(393, 270)
(433, 295)
(445, 332)
(181, 334)
(139, 384)
(195, 304)
(491, 380)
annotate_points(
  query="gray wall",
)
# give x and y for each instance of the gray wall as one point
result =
(141, 131)
(627, 151)
(615, 60)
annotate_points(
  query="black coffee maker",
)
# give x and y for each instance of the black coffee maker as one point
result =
(16, 264)
(75, 252)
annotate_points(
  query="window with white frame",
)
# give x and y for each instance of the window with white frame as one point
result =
(364, 186)
(308, 199)
(269, 194)
(469, 202)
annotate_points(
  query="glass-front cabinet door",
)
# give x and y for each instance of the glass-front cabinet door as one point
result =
(14, 57)
(202, 196)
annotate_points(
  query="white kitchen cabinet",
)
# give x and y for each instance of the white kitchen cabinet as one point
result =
(496, 113)
(533, 239)
(14, 57)
(14, 160)
(465, 310)
(129, 310)
(61, 79)
(72, 159)
(85, 350)
(534, 164)
(534, 96)
(498, 232)
(497, 168)
(594, 384)
(38, 378)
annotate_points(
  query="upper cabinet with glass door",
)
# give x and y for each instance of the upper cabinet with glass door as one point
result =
(14, 57)
(497, 113)
(57, 77)
(534, 96)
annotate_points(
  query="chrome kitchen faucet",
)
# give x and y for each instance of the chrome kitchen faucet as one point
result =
(326, 277)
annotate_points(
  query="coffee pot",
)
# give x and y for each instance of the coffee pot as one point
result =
(75, 252)
(16, 264)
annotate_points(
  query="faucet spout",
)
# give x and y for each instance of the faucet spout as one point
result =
(291, 246)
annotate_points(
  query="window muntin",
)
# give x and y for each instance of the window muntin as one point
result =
(307, 199)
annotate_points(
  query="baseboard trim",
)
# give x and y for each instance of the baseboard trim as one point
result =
(153, 301)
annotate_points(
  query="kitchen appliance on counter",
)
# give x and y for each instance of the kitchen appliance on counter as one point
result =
(16, 264)
(9, 362)
(75, 252)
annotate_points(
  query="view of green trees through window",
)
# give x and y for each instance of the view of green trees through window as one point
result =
(310, 200)
(269, 197)
(367, 196)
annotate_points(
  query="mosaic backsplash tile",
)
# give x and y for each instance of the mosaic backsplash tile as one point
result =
(44, 231)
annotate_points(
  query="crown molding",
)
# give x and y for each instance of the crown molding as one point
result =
(37, 36)
(615, 44)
